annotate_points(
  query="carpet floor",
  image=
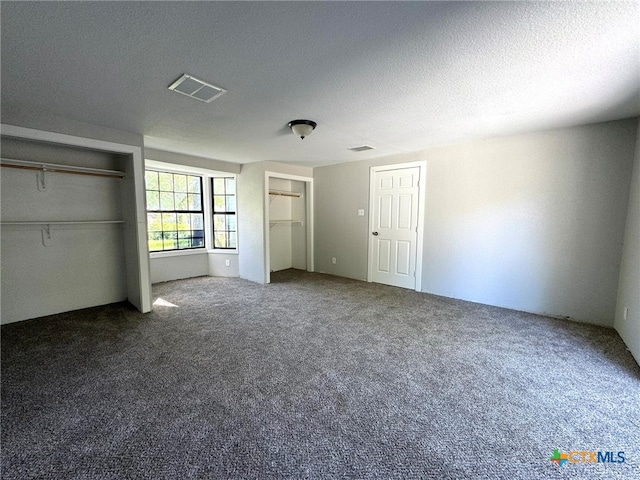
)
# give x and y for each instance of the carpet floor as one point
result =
(318, 377)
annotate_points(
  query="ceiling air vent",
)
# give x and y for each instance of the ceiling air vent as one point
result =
(194, 88)
(361, 148)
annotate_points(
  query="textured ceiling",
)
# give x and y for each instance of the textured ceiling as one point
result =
(401, 76)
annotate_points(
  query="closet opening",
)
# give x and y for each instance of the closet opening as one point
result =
(289, 222)
(72, 231)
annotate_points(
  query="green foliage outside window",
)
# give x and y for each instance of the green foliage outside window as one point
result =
(175, 215)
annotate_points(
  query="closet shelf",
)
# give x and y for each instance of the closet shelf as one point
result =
(282, 193)
(285, 222)
(53, 167)
(60, 222)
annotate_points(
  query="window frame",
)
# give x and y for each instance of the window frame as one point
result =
(205, 173)
(225, 212)
(202, 211)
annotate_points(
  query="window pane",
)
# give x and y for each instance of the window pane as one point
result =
(231, 222)
(153, 200)
(151, 180)
(230, 186)
(194, 184)
(155, 236)
(195, 202)
(197, 221)
(167, 194)
(166, 201)
(218, 203)
(181, 201)
(169, 222)
(220, 240)
(224, 208)
(198, 241)
(166, 181)
(218, 186)
(180, 183)
(233, 240)
(184, 221)
(219, 222)
(169, 240)
(231, 203)
(155, 241)
(154, 222)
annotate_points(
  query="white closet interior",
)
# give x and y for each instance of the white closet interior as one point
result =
(63, 245)
(287, 224)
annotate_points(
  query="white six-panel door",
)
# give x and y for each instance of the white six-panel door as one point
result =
(394, 226)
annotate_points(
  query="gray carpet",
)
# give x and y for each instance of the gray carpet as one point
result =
(313, 376)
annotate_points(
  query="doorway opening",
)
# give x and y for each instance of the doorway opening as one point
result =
(289, 220)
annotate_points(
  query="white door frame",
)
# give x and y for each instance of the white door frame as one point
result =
(421, 210)
(309, 220)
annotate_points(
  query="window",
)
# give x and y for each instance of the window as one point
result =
(175, 215)
(225, 230)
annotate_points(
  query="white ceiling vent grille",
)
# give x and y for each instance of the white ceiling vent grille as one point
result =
(361, 148)
(194, 88)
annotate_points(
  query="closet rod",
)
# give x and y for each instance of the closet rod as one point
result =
(52, 167)
(285, 194)
(61, 222)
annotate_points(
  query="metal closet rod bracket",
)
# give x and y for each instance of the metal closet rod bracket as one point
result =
(46, 235)
(42, 184)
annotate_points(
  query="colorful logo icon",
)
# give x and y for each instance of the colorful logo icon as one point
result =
(559, 458)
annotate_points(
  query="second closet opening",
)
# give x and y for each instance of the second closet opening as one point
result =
(289, 236)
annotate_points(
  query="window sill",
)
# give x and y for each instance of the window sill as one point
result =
(223, 252)
(178, 253)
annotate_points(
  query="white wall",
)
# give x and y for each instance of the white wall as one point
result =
(288, 169)
(84, 265)
(223, 265)
(164, 269)
(191, 161)
(531, 222)
(629, 286)
(251, 228)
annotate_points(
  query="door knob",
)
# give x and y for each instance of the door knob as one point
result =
(375, 233)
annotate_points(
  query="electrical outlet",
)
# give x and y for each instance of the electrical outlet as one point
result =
(227, 263)
(333, 260)
(361, 212)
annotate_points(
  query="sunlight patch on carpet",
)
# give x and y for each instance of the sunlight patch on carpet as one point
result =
(163, 303)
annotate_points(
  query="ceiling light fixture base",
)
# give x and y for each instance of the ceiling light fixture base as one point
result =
(302, 128)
